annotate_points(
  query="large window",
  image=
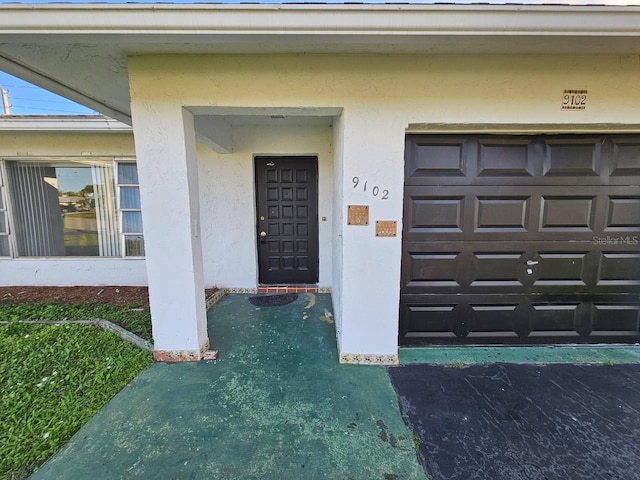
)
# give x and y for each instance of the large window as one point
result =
(70, 208)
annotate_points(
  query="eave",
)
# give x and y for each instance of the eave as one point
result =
(80, 51)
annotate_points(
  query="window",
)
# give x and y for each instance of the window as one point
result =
(4, 221)
(130, 212)
(64, 208)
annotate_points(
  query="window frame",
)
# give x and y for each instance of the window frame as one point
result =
(123, 235)
(61, 159)
(6, 210)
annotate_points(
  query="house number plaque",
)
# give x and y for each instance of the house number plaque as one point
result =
(574, 100)
(386, 228)
(358, 215)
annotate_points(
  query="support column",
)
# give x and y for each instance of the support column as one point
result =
(371, 172)
(167, 168)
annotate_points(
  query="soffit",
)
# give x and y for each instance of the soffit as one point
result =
(80, 50)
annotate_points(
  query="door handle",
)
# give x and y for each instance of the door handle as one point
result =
(263, 234)
(532, 262)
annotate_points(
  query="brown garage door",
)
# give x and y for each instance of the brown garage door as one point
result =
(521, 239)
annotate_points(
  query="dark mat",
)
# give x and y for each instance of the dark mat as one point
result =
(515, 422)
(273, 300)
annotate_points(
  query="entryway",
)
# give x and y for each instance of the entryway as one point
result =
(287, 223)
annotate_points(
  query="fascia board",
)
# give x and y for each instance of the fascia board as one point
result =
(344, 20)
(60, 124)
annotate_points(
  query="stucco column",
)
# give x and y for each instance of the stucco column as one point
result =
(372, 174)
(166, 155)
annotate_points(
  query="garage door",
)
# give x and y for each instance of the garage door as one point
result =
(521, 239)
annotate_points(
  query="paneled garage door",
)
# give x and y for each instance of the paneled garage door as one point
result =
(521, 239)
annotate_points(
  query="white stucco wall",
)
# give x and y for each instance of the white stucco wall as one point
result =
(228, 205)
(64, 272)
(69, 143)
(381, 96)
(69, 271)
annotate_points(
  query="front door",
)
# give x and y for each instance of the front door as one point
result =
(287, 224)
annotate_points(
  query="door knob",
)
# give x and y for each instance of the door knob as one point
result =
(263, 234)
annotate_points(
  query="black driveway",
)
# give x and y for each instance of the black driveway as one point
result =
(507, 421)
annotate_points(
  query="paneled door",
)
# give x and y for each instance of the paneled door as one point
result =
(287, 223)
(521, 239)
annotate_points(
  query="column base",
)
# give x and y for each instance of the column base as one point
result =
(180, 355)
(368, 359)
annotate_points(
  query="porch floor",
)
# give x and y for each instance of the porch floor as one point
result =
(276, 404)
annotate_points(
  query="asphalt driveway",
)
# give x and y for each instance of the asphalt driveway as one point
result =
(517, 422)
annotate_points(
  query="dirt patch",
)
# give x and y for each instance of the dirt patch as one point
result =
(115, 295)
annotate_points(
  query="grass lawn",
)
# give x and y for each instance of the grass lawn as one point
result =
(54, 378)
(134, 318)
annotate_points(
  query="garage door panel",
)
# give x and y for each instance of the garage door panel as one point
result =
(506, 159)
(436, 214)
(556, 269)
(559, 319)
(497, 271)
(623, 214)
(575, 158)
(619, 269)
(502, 320)
(441, 267)
(502, 214)
(615, 319)
(568, 213)
(549, 251)
(494, 267)
(517, 268)
(524, 213)
(434, 157)
(429, 269)
(518, 319)
(522, 160)
(626, 158)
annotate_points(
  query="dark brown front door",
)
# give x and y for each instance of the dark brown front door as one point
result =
(521, 239)
(287, 224)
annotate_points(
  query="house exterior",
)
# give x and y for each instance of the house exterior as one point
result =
(50, 229)
(452, 174)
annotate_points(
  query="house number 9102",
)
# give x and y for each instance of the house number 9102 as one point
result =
(574, 100)
(375, 191)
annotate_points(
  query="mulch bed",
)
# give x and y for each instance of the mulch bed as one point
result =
(115, 295)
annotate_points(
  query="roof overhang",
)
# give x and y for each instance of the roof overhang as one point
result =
(62, 123)
(80, 51)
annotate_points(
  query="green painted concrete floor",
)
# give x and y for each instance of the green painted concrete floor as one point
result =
(583, 354)
(276, 405)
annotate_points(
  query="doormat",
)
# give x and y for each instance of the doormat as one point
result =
(273, 300)
(517, 422)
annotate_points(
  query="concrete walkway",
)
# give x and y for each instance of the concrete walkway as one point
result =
(276, 405)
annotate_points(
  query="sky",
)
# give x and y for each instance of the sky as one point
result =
(529, 2)
(26, 99)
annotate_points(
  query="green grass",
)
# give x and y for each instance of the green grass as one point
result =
(52, 380)
(127, 316)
